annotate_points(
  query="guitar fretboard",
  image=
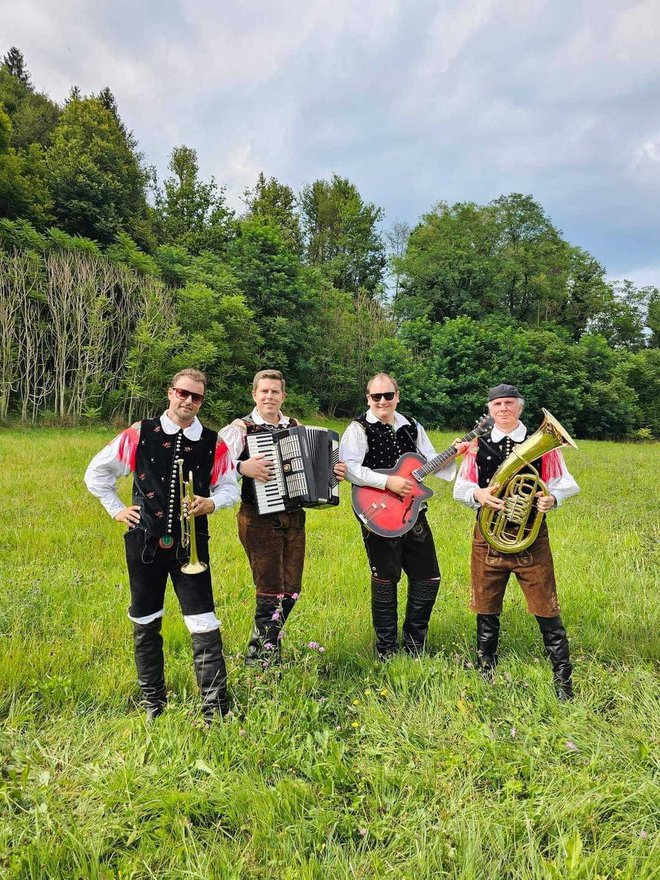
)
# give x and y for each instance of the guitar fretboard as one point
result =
(436, 463)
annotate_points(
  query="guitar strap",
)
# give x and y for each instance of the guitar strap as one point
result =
(414, 439)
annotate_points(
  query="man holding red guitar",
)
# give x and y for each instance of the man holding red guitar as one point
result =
(395, 530)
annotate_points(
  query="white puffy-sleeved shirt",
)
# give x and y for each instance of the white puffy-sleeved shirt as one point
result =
(114, 461)
(555, 474)
(354, 447)
(234, 435)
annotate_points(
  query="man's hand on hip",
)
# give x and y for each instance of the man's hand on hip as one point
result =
(130, 516)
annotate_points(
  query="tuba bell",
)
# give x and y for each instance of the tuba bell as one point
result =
(516, 527)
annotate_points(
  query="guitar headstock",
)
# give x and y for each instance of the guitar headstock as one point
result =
(483, 425)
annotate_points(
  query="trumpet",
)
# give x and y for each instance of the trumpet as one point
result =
(188, 534)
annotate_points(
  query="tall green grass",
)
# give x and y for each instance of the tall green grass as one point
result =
(333, 766)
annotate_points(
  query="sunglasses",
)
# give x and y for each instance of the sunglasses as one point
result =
(182, 394)
(388, 395)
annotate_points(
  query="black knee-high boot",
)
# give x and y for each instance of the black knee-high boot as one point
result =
(150, 665)
(211, 673)
(384, 617)
(264, 645)
(556, 646)
(488, 633)
(421, 599)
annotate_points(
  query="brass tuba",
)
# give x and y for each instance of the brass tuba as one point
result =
(188, 533)
(510, 530)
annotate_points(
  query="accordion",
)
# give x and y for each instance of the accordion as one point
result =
(303, 460)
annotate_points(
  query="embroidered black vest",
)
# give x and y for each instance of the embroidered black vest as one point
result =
(386, 445)
(156, 476)
(490, 456)
(247, 483)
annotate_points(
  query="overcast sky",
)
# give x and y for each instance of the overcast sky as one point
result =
(414, 101)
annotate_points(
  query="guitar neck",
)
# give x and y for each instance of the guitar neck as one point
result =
(438, 462)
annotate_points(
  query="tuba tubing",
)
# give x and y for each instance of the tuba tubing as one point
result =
(515, 528)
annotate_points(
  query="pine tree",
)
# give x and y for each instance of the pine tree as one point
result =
(14, 63)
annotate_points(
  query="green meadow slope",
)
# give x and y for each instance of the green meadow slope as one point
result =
(333, 766)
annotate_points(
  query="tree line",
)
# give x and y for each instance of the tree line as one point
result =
(111, 280)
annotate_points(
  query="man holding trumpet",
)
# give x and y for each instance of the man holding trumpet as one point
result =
(161, 538)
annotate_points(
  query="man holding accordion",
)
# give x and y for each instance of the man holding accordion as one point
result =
(161, 537)
(273, 542)
(503, 545)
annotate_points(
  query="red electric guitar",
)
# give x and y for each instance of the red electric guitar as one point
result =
(388, 514)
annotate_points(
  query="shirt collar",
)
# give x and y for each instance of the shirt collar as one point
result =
(192, 432)
(517, 435)
(259, 420)
(399, 420)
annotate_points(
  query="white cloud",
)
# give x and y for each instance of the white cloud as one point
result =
(415, 101)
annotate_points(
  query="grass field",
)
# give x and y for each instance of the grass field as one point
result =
(333, 767)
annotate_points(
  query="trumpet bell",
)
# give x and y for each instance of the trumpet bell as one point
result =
(194, 567)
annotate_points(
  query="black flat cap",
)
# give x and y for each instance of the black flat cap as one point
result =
(503, 391)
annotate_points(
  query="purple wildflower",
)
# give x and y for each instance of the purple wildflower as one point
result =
(276, 614)
(280, 596)
(280, 635)
(313, 645)
(513, 732)
(294, 596)
(268, 646)
(570, 746)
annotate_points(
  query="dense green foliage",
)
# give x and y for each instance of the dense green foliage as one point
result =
(309, 283)
(337, 767)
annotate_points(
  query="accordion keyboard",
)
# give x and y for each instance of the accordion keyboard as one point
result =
(303, 459)
(270, 495)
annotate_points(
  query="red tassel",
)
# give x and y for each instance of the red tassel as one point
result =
(128, 445)
(222, 462)
(469, 468)
(552, 465)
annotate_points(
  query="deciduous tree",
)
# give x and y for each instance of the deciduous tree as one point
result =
(97, 181)
(189, 212)
(273, 202)
(342, 236)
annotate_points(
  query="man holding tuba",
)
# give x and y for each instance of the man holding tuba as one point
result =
(160, 537)
(530, 562)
